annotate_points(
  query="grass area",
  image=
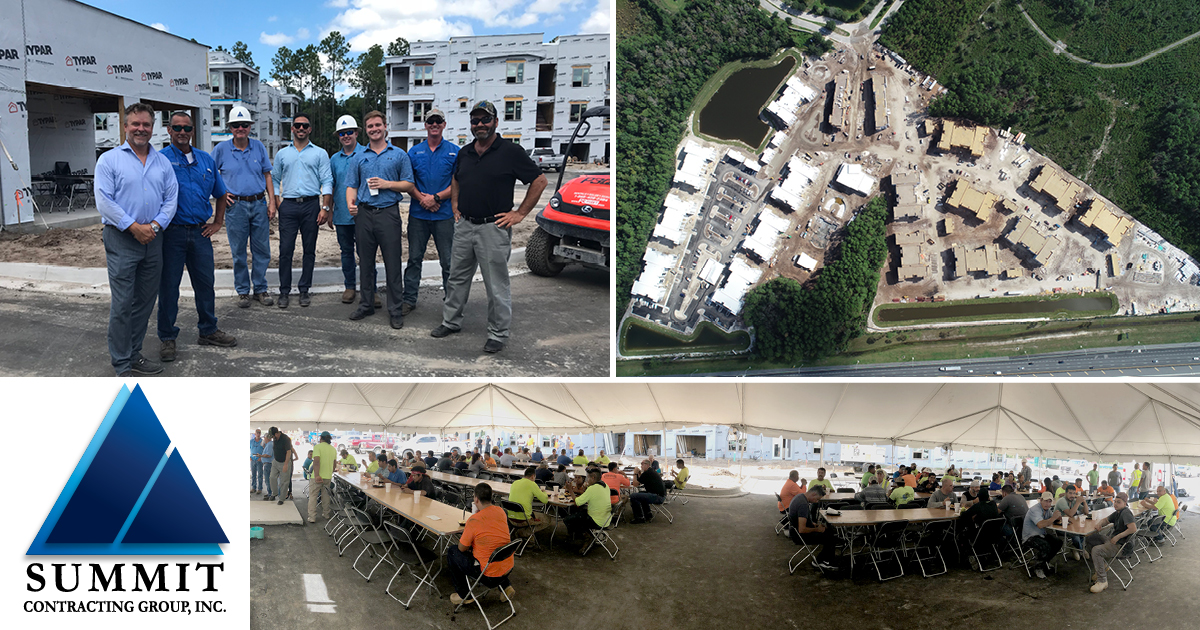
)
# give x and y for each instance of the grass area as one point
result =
(997, 300)
(1114, 31)
(948, 344)
(882, 12)
(730, 342)
(846, 5)
(714, 83)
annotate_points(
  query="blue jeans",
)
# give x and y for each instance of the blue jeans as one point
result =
(461, 566)
(256, 475)
(641, 503)
(134, 273)
(419, 232)
(184, 245)
(247, 220)
(345, 236)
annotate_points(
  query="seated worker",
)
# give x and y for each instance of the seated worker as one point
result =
(391, 472)
(507, 459)
(678, 477)
(982, 511)
(348, 461)
(1012, 507)
(995, 485)
(1033, 533)
(596, 499)
(902, 493)
(307, 467)
(485, 532)
(1167, 506)
(580, 459)
(522, 455)
(866, 478)
(537, 456)
(615, 480)
(653, 492)
(1103, 548)
(561, 477)
(952, 473)
(881, 476)
(802, 519)
(873, 493)
(971, 495)
(542, 473)
(1072, 504)
(430, 460)
(460, 462)
(821, 481)
(408, 460)
(943, 493)
(603, 460)
(563, 458)
(1056, 483)
(489, 460)
(371, 463)
(909, 478)
(446, 461)
(477, 464)
(928, 483)
(790, 490)
(419, 480)
(524, 491)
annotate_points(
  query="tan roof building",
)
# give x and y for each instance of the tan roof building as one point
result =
(948, 223)
(911, 212)
(879, 86)
(837, 114)
(912, 259)
(1026, 235)
(970, 200)
(979, 260)
(1113, 227)
(930, 126)
(969, 139)
(1052, 184)
(1014, 273)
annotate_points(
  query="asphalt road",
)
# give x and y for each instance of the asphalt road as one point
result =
(1163, 361)
(560, 328)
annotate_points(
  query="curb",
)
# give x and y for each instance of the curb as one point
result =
(55, 279)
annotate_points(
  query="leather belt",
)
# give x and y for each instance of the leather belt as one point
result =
(250, 198)
(482, 220)
(301, 199)
(374, 207)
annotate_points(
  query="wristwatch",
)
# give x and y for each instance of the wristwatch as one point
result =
(437, 197)
(154, 226)
(324, 208)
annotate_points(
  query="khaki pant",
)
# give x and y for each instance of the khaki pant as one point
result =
(281, 476)
(315, 488)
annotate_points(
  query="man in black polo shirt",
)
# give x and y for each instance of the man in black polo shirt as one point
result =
(653, 492)
(481, 194)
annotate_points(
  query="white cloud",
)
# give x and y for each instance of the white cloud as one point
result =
(274, 39)
(302, 33)
(160, 26)
(600, 20)
(273, 18)
(338, 4)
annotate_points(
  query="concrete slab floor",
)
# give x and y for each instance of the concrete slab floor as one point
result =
(560, 328)
(720, 565)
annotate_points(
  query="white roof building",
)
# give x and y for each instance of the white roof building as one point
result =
(795, 93)
(790, 191)
(675, 215)
(652, 283)
(806, 262)
(852, 177)
(695, 170)
(742, 276)
(765, 238)
(711, 271)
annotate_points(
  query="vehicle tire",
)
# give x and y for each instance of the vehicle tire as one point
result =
(539, 254)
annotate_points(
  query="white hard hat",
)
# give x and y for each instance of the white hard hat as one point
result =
(239, 114)
(346, 122)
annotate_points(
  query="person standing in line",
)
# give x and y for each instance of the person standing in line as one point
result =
(343, 223)
(1144, 483)
(1136, 481)
(188, 240)
(1114, 478)
(256, 449)
(136, 194)
(303, 175)
(482, 200)
(382, 173)
(1093, 478)
(264, 461)
(324, 457)
(429, 212)
(281, 465)
(246, 171)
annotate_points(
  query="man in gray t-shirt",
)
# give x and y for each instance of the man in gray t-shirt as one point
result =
(874, 493)
(1013, 505)
(942, 494)
(1114, 478)
(1123, 527)
(1144, 486)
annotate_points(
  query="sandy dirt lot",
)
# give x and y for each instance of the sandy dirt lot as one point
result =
(82, 247)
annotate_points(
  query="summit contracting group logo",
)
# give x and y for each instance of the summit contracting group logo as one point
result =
(130, 495)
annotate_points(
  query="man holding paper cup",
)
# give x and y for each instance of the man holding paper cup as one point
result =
(419, 481)
(1033, 533)
(391, 472)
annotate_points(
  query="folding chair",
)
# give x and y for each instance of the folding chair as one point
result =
(1024, 556)
(661, 508)
(517, 524)
(371, 537)
(1122, 561)
(781, 525)
(988, 533)
(488, 583)
(675, 494)
(1146, 534)
(889, 538)
(809, 551)
(1170, 530)
(407, 554)
(618, 510)
(602, 536)
(932, 538)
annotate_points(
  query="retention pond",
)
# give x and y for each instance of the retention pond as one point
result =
(988, 308)
(732, 113)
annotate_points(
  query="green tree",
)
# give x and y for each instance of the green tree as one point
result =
(337, 59)
(368, 77)
(242, 54)
(398, 48)
(1177, 159)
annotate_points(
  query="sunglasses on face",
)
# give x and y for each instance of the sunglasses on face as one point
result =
(435, 121)
(239, 125)
(482, 120)
(300, 125)
(183, 128)
(343, 134)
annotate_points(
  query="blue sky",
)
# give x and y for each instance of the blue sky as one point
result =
(296, 23)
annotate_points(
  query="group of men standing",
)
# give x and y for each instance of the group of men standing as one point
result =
(156, 210)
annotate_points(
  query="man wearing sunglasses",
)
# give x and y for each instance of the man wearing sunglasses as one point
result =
(373, 186)
(429, 211)
(303, 175)
(481, 196)
(245, 168)
(187, 241)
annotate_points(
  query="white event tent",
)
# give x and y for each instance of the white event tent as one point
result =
(1097, 421)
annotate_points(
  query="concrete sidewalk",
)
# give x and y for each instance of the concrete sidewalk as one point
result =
(560, 328)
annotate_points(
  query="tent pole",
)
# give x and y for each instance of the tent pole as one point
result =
(823, 451)
(741, 450)
(593, 443)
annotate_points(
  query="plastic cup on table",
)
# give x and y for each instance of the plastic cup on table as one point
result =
(416, 496)
(387, 486)
(1065, 519)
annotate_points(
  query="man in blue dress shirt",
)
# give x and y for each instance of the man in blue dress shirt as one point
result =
(343, 223)
(188, 240)
(382, 172)
(245, 168)
(429, 211)
(256, 472)
(302, 176)
(135, 193)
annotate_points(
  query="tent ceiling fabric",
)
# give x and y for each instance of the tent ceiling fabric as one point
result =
(1159, 421)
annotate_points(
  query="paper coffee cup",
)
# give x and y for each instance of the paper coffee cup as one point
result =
(1065, 519)
(374, 191)
(416, 496)
(387, 486)
(947, 504)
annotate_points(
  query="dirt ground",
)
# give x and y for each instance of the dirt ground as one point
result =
(83, 247)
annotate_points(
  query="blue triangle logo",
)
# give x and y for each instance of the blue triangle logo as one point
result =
(130, 494)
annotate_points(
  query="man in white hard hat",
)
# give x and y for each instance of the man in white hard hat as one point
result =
(304, 193)
(245, 168)
(343, 223)
(429, 211)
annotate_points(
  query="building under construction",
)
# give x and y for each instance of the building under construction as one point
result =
(973, 201)
(912, 264)
(1101, 218)
(1052, 184)
(1026, 237)
(839, 104)
(959, 138)
(983, 260)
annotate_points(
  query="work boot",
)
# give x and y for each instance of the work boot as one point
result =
(348, 296)
(125, 374)
(457, 600)
(442, 331)
(264, 298)
(397, 322)
(219, 338)
(363, 311)
(492, 346)
(407, 308)
(283, 300)
(142, 365)
(167, 351)
(1099, 586)
(304, 299)
(243, 300)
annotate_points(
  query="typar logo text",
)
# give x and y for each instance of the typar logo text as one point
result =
(130, 495)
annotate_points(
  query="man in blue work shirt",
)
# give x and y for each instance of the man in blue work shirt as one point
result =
(382, 172)
(136, 193)
(429, 211)
(256, 472)
(188, 240)
(246, 170)
(301, 175)
(343, 223)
